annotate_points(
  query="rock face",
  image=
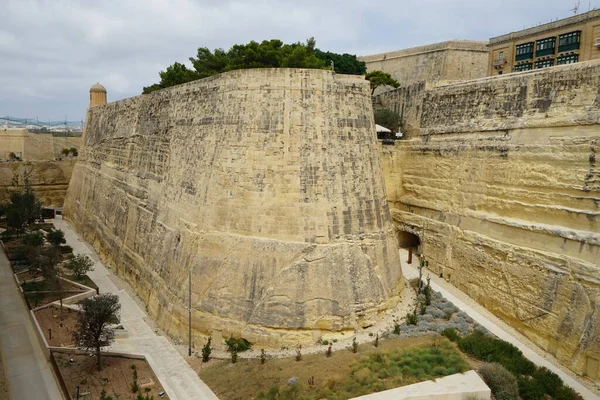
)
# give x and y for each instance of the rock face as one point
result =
(49, 179)
(500, 181)
(265, 185)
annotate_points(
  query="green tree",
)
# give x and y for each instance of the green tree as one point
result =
(380, 78)
(56, 238)
(174, 75)
(343, 63)
(80, 265)
(388, 119)
(48, 262)
(266, 54)
(93, 331)
(34, 239)
(23, 207)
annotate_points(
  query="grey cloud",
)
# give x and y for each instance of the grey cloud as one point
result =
(52, 51)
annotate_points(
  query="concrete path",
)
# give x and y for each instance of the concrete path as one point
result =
(175, 374)
(490, 322)
(28, 373)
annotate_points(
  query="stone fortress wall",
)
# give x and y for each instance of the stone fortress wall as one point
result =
(41, 159)
(439, 63)
(49, 179)
(499, 179)
(265, 185)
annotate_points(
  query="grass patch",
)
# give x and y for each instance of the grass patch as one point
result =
(396, 362)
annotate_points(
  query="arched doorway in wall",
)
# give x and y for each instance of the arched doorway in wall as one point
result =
(410, 242)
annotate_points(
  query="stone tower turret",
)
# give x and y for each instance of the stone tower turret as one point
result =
(97, 95)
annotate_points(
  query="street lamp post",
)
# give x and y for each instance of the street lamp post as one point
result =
(190, 312)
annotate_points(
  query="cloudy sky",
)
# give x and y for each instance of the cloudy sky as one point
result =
(52, 51)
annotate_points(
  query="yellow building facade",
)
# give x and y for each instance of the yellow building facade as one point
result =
(565, 41)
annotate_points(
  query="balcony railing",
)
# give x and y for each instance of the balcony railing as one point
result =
(544, 52)
(524, 56)
(568, 47)
(499, 62)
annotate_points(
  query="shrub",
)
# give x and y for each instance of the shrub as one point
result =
(354, 345)
(66, 249)
(206, 350)
(396, 328)
(73, 151)
(502, 383)
(237, 344)
(263, 356)
(324, 342)
(548, 380)
(33, 239)
(411, 318)
(530, 389)
(80, 265)
(65, 151)
(566, 393)
(56, 238)
(491, 349)
(451, 334)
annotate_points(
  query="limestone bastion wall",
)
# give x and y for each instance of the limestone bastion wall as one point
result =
(502, 185)
(266, 184)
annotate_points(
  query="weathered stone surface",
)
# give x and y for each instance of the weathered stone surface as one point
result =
(49, 179)
(501, 184)
(266, 183)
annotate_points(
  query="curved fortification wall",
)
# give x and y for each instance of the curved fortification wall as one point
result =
(266, 184)
(502, 184)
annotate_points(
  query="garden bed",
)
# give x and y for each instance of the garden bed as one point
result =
(62, 330)
(116, 376)
(38, 293)
(396, 362)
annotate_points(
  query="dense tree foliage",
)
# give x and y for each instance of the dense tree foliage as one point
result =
(23, 206)
(388, 118)
(80, 265)
(380, 78)
(266, 54)
(93, 330)
(343, 63)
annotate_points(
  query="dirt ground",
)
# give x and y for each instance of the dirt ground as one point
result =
(62, 331)
(4, 395)
(247, 378)
(116, 376)
(28, 275)
(40, 299)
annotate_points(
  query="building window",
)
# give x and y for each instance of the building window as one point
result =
(545, 47)
(501, 55)
(524, 51)
(544, 63)
(572, 59)
(523, 67)
(569, 41)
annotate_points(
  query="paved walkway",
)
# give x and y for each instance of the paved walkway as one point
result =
(175, 374)
(28, 373)
(490, 322)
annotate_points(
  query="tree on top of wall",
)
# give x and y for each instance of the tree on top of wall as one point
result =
(380, 78)
(266, 54)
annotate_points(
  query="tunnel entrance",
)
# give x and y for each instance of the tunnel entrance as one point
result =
(410, 242)
(407, 239)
